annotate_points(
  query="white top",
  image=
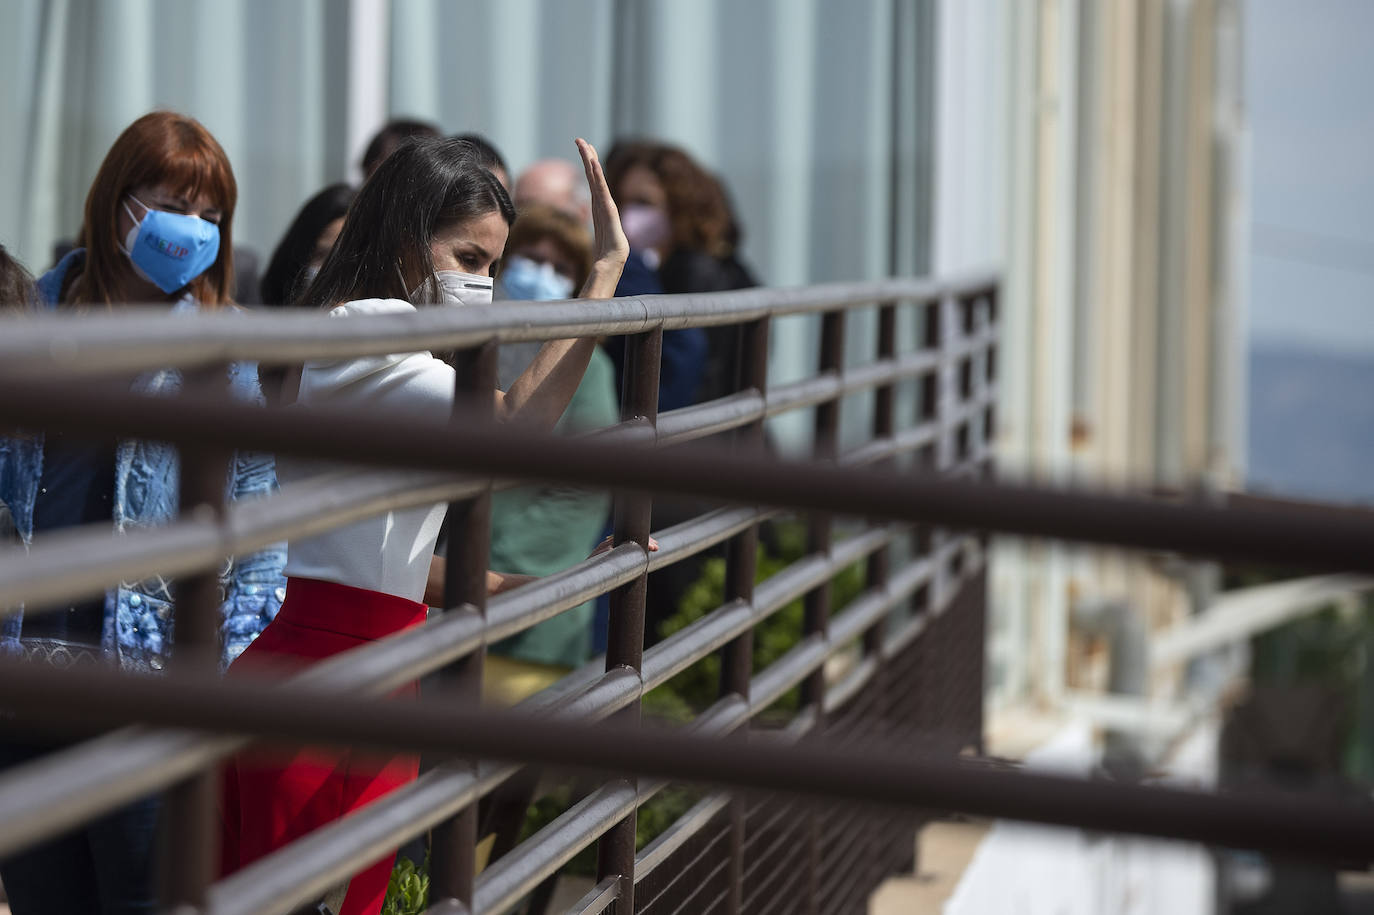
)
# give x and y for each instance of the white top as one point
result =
(389, 553)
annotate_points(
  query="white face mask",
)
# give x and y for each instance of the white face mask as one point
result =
(457, 288)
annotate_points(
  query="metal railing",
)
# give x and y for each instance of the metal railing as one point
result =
(912, 641)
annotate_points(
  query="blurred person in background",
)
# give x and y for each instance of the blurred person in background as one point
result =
(16, 283)
(683, 362)
(678, 222)
(538, 530)
(157, 230)
(554, 183)
(298, 258)
(303, 248)
(488, 156)
(427, 229)
(679, 216)
(391, 135)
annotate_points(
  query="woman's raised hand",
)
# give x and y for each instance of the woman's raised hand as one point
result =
(610, 248)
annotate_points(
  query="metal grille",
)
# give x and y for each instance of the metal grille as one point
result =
(878, 735)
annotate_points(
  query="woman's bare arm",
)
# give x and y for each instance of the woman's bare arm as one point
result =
(541, 394)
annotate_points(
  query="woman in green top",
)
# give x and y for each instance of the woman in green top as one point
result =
(538, 530)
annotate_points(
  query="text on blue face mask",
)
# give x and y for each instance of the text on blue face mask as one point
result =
(163, 246)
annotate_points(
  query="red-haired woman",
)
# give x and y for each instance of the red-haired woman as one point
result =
(157, 230)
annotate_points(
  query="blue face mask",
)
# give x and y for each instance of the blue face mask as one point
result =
(170, 249)
(522, 278)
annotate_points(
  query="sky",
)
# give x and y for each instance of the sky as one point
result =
(1310, 96)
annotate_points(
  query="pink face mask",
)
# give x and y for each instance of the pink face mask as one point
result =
(646, 228)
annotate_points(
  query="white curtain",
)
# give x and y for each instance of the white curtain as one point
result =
(260, 74)
(802, 106)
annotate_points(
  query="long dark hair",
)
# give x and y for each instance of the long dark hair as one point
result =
(282, 281)
(421, 189)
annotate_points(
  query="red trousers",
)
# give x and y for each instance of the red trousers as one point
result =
(272, 797)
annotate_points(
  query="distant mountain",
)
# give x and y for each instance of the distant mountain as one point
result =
(1311, 423)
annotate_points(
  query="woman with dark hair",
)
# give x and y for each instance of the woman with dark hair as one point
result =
(391, 135)
(305, 245)
(157, 230)
(488, 156)
(428, 228)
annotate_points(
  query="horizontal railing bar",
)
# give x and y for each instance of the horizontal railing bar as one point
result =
(812, 571)
(598, 899)
(638, 431)
(594, 701)
(828, 386)
(806, 392)
(701, 420)
(447, 907)
(725, 716)
(850, 684)
(45, 578)
(507, 880)
(897, 641)
(691, 823)
(576, 680)
(532, 603)
(607, 694)
(769, 684)
(863, 612)
(1308, 826)
(731, 412)
(362, 836)
(888, 371)
(309, 867)
(685, 647)
(400, 658)
(968, 344)
(806, 656)
(852, 549)
(703, 532)
(44, 798)
(776, 592)
(389, 820)
(96, 778)
(884, 448)
(1310, 538)
(52, 794)
(139, 339)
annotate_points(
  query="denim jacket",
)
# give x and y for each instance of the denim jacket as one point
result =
(137, 630)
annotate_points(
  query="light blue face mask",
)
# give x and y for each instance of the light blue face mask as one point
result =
(170, 249)
(522, 278)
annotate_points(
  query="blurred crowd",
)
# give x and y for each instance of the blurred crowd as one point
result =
(158, 227)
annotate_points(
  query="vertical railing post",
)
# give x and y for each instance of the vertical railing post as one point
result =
(453, 854)
(741, 567)
(884, 427)
(878, 570)
(625, 632)
(945, 335)
(984, 385)
(192, 822)
(820, 539)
